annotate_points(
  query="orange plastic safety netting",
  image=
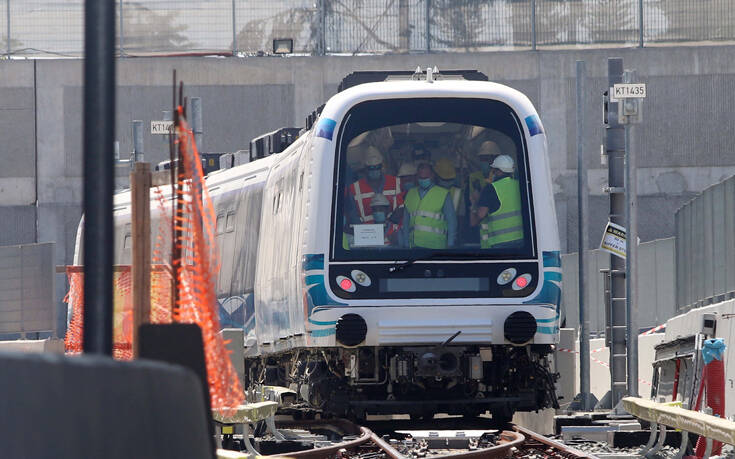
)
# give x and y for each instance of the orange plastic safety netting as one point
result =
(194, 271)
(122, 329)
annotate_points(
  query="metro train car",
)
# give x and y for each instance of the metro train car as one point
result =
(400, 254)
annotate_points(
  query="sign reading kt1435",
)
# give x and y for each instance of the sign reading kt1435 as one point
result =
(629, 91)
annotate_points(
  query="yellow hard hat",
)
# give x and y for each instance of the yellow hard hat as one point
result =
(489, 148)
(373, 157)
(444, 168)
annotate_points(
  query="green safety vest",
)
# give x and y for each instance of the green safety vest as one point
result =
(506, 223)
(428, 226)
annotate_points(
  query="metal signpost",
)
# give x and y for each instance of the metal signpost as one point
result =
(630, 112)
(614, 144)
(623, 108)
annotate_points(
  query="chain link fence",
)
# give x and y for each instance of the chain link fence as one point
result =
(55, 27)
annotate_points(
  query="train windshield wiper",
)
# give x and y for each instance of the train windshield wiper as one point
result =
(400, 265)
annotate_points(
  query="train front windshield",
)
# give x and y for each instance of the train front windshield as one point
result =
(432, 178)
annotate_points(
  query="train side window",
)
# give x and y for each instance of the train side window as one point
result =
(230, 223)
(220, 222)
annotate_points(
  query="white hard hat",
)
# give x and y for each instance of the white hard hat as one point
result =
(407, 169)
(504, 163)
(489, 148)
(354, 157)
(379, 200)
(359, 139)
(373, 157)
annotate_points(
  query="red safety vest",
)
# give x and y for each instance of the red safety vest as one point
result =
(362, 193)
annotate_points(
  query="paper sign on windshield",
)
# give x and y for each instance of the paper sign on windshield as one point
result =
(368, 235)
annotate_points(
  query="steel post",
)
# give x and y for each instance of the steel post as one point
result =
(615, 147)
(428, 25)
(631, 264)
(321, 47)
(7, 25)
(99, 177)
(121, 33)
(196, 122)
(640, 23)
(234, 29)
(138, 152)
(533, 25)
(584, 338)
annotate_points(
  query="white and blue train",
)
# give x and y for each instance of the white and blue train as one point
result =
(358, 312)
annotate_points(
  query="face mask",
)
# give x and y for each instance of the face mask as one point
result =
(485, 167)
(374, 174)
(424, 183)
(446, 183)
(407, 185)
(379, 217)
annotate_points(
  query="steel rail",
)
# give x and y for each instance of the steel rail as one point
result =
(508, 441)
(566, 451)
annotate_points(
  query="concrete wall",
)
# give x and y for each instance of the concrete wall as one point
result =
(567, 364)
(683, 145)
(656, 281)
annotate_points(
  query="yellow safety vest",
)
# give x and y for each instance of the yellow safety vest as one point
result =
(506, 223)
(427, 224)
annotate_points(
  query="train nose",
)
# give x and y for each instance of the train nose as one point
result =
(351, 329)
(520, 327)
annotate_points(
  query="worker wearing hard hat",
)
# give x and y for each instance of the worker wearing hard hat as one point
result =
(498, 210)
(375, 181)
(446, 175)
(381, 212)
(430, 220)
(489, 150)
(407, 176)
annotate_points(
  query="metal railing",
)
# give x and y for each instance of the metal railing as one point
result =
(55, 27)
(705, 247)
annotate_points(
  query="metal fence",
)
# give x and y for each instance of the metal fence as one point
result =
(705, 247)
(27, 289)
(55, 27)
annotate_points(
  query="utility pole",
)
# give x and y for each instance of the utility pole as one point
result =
(614, 141)
(99, 173)
(585, 396)
(624, 108)
(631, 96)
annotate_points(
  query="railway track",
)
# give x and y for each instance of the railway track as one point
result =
(360, 442)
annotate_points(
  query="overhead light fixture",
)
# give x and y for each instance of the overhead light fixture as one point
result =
(283, 46)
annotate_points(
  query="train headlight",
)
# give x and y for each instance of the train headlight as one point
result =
(361, 278)
(346, 284)
(522, 281)
(506, 276)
